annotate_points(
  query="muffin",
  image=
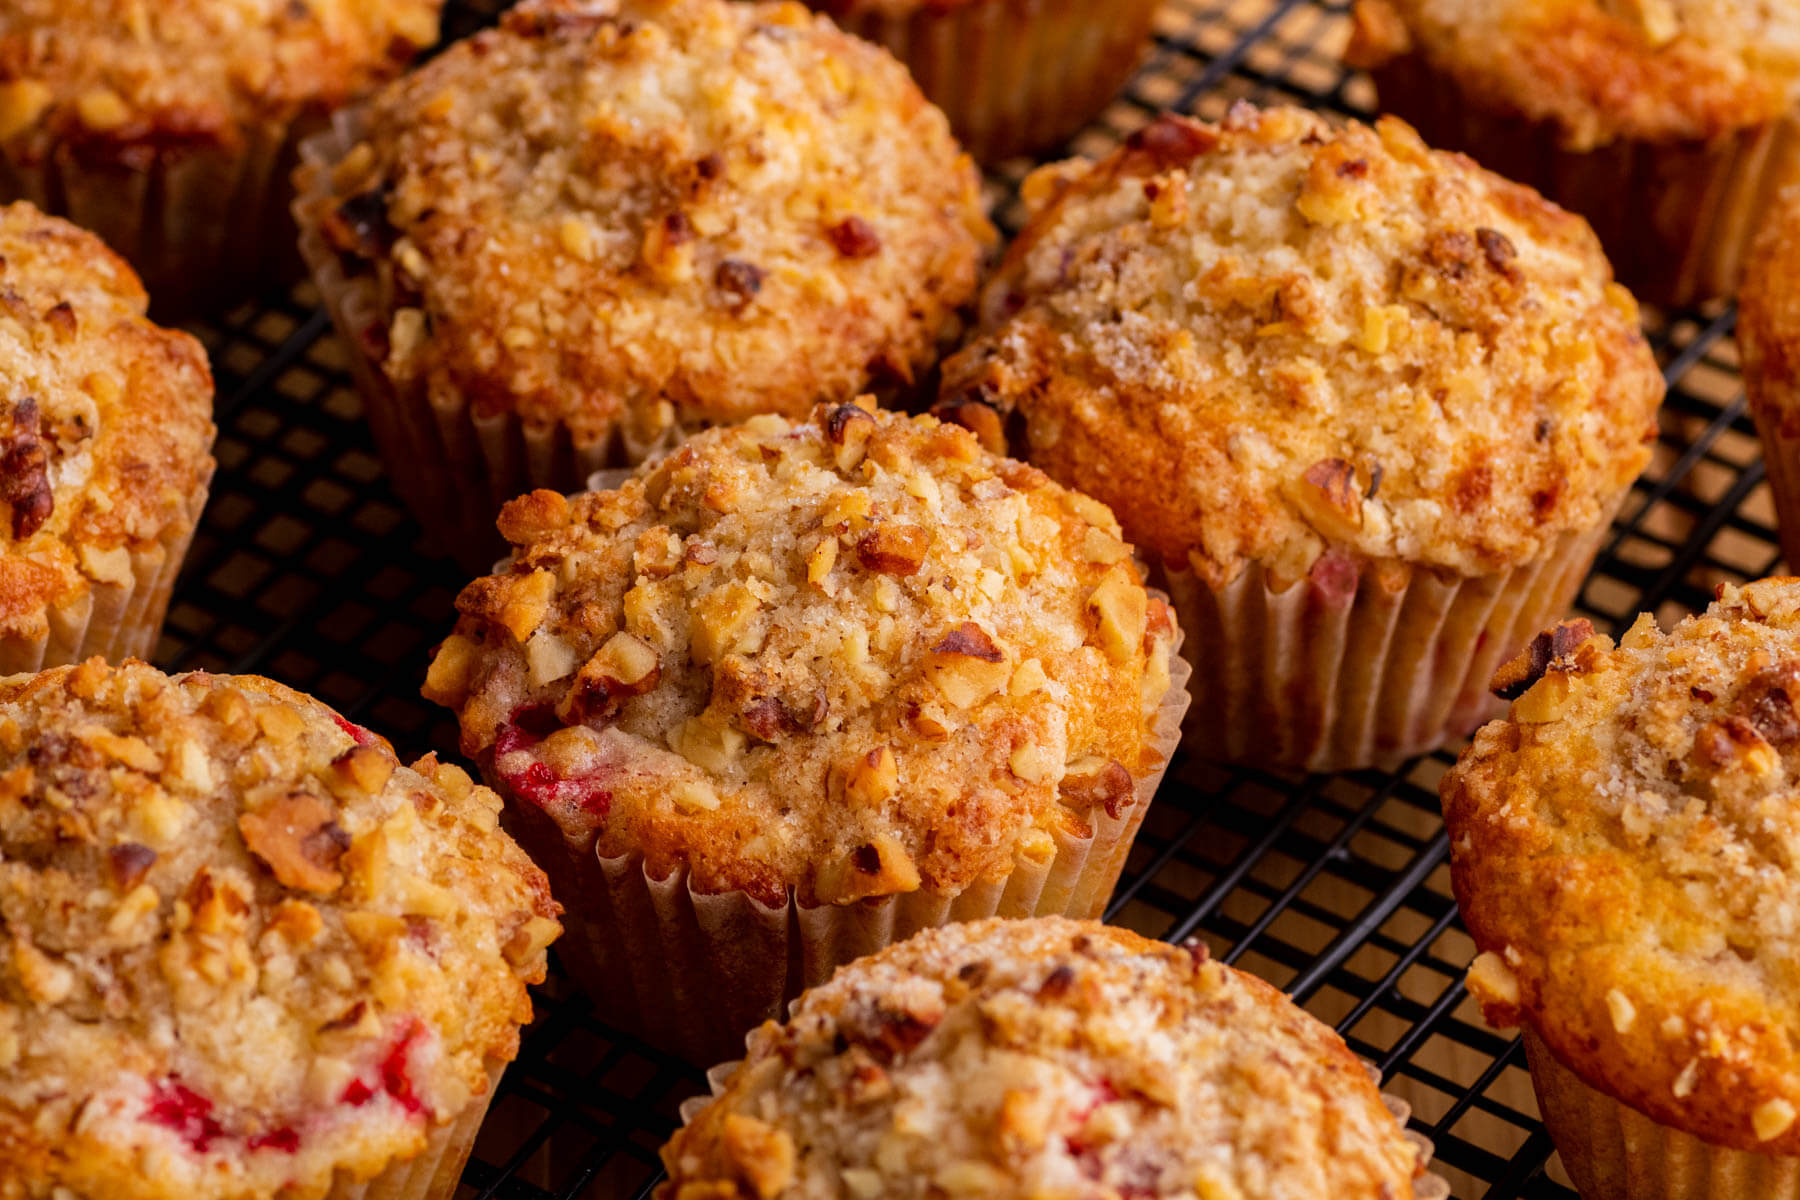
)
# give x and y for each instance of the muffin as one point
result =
(169, 128)
(1013, 76)
(105, 440)
(567, 242)
(802, 689)
(1045, 1058)
(1369, 408)
(249, 953)
(1669, 124)
(1623, 848)
(1769, 334)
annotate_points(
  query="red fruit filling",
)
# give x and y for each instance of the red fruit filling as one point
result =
(187, 1112)
(536, 782)
(395, 1080)
(284, 1139)
(358, 734)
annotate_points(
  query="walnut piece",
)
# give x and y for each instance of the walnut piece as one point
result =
(299, 840)
(1515, 676)
(894, 549)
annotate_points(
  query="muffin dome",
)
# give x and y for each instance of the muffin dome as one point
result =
(105, 438)
(1048, 1057)
(1599, 70)
(853, 656)
(1624, 850)
(1265, 338)
(622, 217)
(246, 952)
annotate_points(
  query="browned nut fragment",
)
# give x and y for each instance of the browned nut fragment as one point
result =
(1335, 482)
(1516, 675)
(365, 768)
(1730, 743)
(1120, 607)
(966, 665)
(878, 867)
(1767, 702)
(128, 863)
(299, 840)
(625, 666)
(739, 282)
(532, 516)
(894, 549)
(24, 472)
(1171, 140)
(978, 417)
(1098, 783)
(1499, 250)
(872, 778)
(61, 317)
(854, 237)
(848, 428)
(761, 1155)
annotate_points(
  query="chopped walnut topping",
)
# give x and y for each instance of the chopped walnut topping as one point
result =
(299, 840)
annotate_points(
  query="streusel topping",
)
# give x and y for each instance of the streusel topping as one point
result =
(852, 656)
(242, 948)
(1261, 339)
(134, 77)
(105, 418)
(1603, 69)
(1624, 847)
(1043, 1058)
(633, 216)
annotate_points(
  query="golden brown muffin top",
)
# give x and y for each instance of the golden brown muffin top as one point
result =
(128, 78)
(636, 216)
(1769, 318)
(1624, 848)
(1043, 1058)
(854, 656)
(1600, 70)
(1267, 338)
(105, 418)
(243, 947)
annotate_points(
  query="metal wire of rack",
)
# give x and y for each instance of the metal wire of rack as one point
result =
(1335, 888)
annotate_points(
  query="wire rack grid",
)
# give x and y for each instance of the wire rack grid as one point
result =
(1335, 888)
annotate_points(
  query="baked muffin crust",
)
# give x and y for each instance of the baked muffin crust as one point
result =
(1263, 338)
(130, 79)
(1047, 1057)
(245, 951)
(853, 656)
(1600, 70)
(1624, 847)
(1769, 318)
(105, 418)
(624, 215)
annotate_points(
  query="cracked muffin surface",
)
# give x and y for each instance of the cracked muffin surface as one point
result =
(629, 217)
(1624, 845)
(245, 951)
(851, 656)
(1274, 336)
(1043, 1058)
(132, 79)
(1600, 70)
(105, 419)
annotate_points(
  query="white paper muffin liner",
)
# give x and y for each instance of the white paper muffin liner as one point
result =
(1012, 75)
(1426, 1186)
(433, 1173)
(202, 226)
(1326, 677)
(112, 620)
(1614, 1152)
(1677, 218)
(693, 973)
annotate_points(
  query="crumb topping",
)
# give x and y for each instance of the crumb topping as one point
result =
(1601, 70)
(1624, 848)
(1769, 318)
(1267, 338)
(105, 418)
(1043, 1058)
(242, 948)
(133, 78)
(852, 656)
(631, 217)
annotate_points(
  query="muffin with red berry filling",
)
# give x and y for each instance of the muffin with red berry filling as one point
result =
(801, 689)
(1025, 1059)
(246, 951)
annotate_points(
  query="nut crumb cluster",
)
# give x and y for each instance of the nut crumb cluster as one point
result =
(1623, 846)
(849, 656)
(126, 80)
(635, 217)
(1600, 70)
(246, 952)
(1043, 1058)
(1264, 338)
(105, 419)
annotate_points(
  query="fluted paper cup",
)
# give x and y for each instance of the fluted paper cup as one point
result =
(435, 1172)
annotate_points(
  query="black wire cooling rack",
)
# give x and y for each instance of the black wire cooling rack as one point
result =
(1336, 888)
